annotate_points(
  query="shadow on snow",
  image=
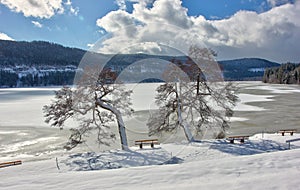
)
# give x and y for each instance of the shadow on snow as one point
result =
(249, 147)
(119, 159)
(115, 159)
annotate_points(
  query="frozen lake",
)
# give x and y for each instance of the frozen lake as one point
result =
(23, 133)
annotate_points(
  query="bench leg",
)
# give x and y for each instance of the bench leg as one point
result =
(242, 140)
(282, 133)
(232, 141)
(292, 133)
(152, 145)
(141, 146)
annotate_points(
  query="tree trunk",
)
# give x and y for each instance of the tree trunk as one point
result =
(198, 83)
(185, 127)
(122, 130)
(121, 125)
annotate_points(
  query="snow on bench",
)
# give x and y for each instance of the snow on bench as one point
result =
(148, 141)
(292, 140)
(13, 163)
(291, 131)
(240, 137)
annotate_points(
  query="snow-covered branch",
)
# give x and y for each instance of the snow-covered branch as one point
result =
(94, 104)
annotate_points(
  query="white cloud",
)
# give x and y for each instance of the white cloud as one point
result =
(163, 11)
(35, 8)
(273, 35)
(121, 4)
(37, 24)
(39, 8)
(68, 2)
(275, 3)
(90, 45)
(5, 37)
(73, 11)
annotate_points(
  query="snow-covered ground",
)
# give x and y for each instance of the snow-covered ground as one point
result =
(263, 162)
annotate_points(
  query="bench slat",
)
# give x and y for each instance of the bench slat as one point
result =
(13, 163)
(238, 137)
(291, 131)
(154, 142)
(287, 131)
(147, 140)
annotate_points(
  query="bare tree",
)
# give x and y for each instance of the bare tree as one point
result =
(95, 104)
(193, 104)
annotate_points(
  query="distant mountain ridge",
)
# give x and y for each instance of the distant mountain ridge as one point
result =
(40, 63)
(246, 68)
(14, 53)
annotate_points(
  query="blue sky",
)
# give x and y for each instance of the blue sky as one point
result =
(76, 30)
(235, 28)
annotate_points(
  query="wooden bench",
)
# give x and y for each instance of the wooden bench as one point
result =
(13, 163)
(291, 131)
(241, 138)
(148, 141)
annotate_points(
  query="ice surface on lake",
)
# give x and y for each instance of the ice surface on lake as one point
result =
(23, 130)
(23, 106)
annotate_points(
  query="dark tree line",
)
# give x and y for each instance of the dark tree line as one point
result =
(288, 73)
(53, 78)
(57, 78)
(8, 79)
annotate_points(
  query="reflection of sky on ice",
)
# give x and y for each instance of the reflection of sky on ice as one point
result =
(143, 97)
(277, 89)
(20, 145)
(23, 110)
(232, 119)
(247, 98)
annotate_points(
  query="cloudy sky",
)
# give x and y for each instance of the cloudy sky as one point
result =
(233, 28)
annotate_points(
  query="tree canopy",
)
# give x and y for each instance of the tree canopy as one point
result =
(95, 104)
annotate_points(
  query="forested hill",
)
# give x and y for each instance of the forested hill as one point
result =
(288, 73)
(38, 53)
(246, 68)
(41, 63)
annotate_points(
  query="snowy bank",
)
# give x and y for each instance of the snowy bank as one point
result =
(263, 162)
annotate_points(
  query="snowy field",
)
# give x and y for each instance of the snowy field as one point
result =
(263, 162)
